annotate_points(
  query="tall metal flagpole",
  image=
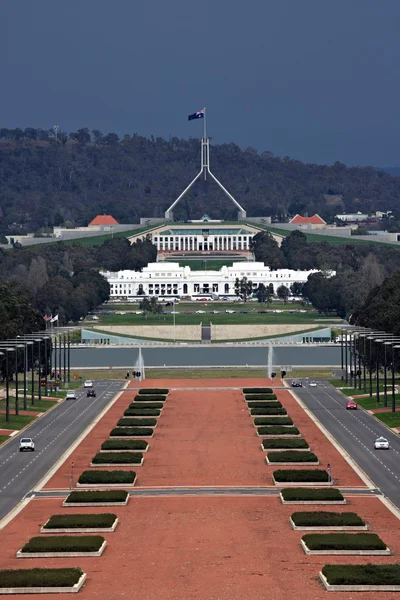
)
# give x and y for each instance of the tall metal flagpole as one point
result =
(204, 144)
(205, 124)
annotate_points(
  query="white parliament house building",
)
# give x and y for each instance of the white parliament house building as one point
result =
(169, 279)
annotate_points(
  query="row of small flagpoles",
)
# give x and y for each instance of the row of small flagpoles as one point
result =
(50, 319)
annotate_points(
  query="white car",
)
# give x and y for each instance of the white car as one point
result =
(230, 312)
(313, 384)
(70, 396)
(88, 383)
(381, 443)
(200, 312)
(26, 444)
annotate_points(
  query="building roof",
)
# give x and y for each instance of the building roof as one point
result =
(314, 220)
(103, 220)
(209, 231)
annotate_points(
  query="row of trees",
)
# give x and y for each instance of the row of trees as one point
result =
(244, 288)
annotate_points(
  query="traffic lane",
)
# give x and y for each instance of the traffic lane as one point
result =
(356, 433)
(20, 471)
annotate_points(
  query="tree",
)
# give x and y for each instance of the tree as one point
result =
(243, 287)
(283, 293)
(297, 288)
(150, 305)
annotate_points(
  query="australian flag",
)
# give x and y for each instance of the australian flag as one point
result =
(197, 115)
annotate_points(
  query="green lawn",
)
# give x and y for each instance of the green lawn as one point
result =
(15, 422)
(315, 237)
(371, 403)
(389, 418)
(3, 438)
(221, 306)
(41, 406)
(204, 373)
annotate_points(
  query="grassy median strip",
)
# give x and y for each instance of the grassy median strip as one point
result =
(99, 496)
(64, 543)
(100, 477)
(327, 519)
(312, 495)
(289, 456)
(343, 541)
(306, 475)
(118, 458)
(362, 574)
(131, 422)
(149, 398)
(131, 432)
(78, 521)
(142, 412)
(254, 397)
(154, 391)
(271, 420)
(22, 578)
(124, 445)
(277, 430)
(284, 444)
(267, 411)
(257, 390)
(145, 406)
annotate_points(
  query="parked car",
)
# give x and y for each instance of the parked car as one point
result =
(88, 383)
(296, 383)
(26, 445)
(381, 443)
(351, 405)
(91, 393)
(200, 312)
(70, 396)
(230, 312)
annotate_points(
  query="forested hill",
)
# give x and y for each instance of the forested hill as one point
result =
(46, 181)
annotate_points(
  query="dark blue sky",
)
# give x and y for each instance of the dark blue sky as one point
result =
(317, 80)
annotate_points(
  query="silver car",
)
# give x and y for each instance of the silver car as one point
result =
(381, 443)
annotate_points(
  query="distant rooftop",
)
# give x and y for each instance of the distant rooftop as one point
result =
(211, 230)
(103, 220)
(314, 220)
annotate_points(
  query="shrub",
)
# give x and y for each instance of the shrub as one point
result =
(343, 541)
(130, 422)
(253, 397)
(40, 577)
(156, 391)
(307, 494)
(107, 477)
(146, 405)
(316, 475)
(117, 458)
(277, 430)
(124, 445)
(64, 543)
(261, 404)
(362, 574)
(267, 411)
(289, 456)
(327, 519)
(272, 444)
(149, 398)
(142, 412)
(105, 520)
(257, 390)
(97, 496)
(272, 421)
(131, 431)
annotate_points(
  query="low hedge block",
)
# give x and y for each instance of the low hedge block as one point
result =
(362, 574)
(277, 430)
(47, 578)
(265, 397)
(317, 475)
(257, 390)
(152, 391)
(131, 432)
(263, 404)
(124, 445)
(131, 422)
(117, 458)
(271, 420)
(284, 444)
(289, 456)
(146, 405)
(267, 411)
(64, 543)
(343, 541)
(327, 519)
(313, 495)
(78, 521)
(149, 398)
(142, 412)
(99, 496)
(99, 477)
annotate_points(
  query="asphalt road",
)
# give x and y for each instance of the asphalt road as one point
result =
(356, 431)
(53, 434)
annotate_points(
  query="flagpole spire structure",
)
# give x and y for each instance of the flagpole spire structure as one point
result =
(204, 169)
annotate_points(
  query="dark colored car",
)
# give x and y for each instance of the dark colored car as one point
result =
(91, 393)
(296, 383)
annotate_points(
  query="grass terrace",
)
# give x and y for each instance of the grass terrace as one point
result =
(343, 541)
(327, 519)
(264, 397)
(263, 421)
(277, 430)
(107, 477)
(118, 458)
(124, 445)
(37, 578)
(312, 495)
(255, 412)
(97, 496)
(131, 432)
(64, 543)
(145, 406)
(288, 457)
(132, 422)
(301, 475)
(257, 390)
(153, 391)
(78, 521)
(284, 444)
(263, 404)
(142, 412)
(362, 574)
(157, 399)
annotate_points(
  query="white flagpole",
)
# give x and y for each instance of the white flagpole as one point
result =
(205, 124)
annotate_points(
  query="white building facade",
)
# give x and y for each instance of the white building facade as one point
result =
(165, 279)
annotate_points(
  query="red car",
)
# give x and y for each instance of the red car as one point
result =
(351, 405)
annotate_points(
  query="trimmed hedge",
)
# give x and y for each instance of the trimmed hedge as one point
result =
(64, 543)
(304, 494)
(78, 521)
(262, 404)
(343, 541)
(130, 422)
(146, 405)
(272, 444)
(124, 445)
(107, 477)
(272, 421)
(362, 574)
(131, 431)
(253, 397)
(117, 458)
(16, 578)
(157, 391)
(267, 411)
(327, 519)
(97, 496)
(257, 390)
(277, 430)
(142, 412)
(317, 475)
(150, 398)
(289, 456)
